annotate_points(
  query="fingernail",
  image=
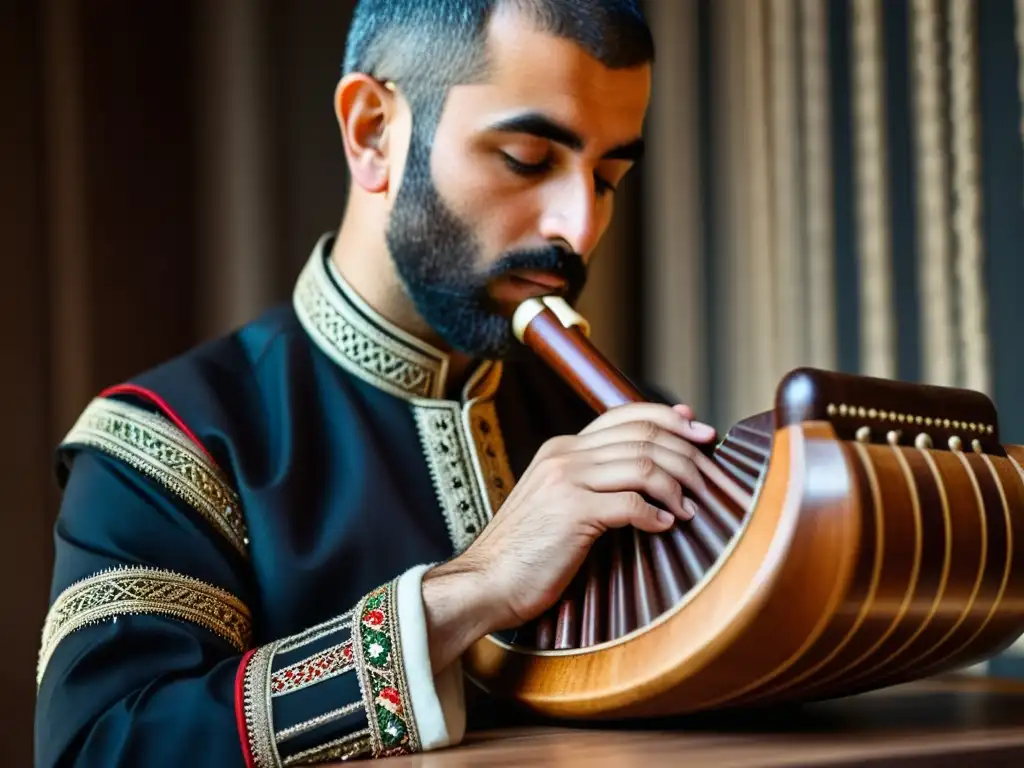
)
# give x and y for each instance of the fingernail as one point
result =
(665, 517)
(690, 507)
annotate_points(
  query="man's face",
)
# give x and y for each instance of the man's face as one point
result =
(510, 196)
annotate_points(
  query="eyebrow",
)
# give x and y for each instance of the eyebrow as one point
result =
(541, 126)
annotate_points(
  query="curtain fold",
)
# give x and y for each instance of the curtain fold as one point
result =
(862, 197)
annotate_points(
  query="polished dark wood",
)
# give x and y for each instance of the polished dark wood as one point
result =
(936, 723)
(591, 374)
(833, 553)
(851, 402)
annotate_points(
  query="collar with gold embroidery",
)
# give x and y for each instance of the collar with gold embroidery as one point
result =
(363, 342)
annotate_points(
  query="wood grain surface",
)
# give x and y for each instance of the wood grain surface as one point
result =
(955, 721)
(874, 536)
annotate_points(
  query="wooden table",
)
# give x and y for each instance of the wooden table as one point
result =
(962, 722)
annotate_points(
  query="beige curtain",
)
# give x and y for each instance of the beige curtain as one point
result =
(675, 304)
(772, 169)
(773, 225)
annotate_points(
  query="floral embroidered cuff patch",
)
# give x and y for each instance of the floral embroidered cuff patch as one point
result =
(377, 647)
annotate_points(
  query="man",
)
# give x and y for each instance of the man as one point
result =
(274, 549)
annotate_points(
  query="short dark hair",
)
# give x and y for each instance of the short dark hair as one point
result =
(428, 46)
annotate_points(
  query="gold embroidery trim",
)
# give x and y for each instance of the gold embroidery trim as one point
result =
(465, 453)
(137, 591)
(259, 720)
(377, 642)
(492, 460)
(448, 456)
(318, 722)
(345, 748)
(311, 670)
(480, 422)
(318, 632)
(463, 445)
(339, 323)
(153, 446)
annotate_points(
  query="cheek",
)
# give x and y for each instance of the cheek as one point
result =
(606, 210)
(501, 211)
(503, 218)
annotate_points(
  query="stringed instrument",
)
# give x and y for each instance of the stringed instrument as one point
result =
(862, 533)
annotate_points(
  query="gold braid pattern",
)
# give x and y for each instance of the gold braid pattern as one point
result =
(932, 183)
(138, 590)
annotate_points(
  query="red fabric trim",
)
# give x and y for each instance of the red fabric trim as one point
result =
(159, 402)
(243, 731)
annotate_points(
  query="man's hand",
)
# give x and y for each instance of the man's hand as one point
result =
(575, 489)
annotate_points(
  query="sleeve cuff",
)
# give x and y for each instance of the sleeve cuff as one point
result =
(437, 699)
(359, 684)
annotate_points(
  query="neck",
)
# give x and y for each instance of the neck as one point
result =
(360, 255)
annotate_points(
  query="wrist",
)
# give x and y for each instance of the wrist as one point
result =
(458, 610)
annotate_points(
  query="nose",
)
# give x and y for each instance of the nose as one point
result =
(572, 216)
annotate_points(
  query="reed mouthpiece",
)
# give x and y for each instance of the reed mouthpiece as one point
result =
(527, 312)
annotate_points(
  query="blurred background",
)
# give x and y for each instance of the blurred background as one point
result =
(837, 183)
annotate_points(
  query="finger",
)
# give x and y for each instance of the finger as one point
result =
(669, 457)
(648, 432)
(666, 417)
(695, 430)
(684, 410)
(555, 446)
(617, 510)
(636, 432)
(640, 475)
(683, 435)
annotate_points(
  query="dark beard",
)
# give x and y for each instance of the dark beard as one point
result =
(436, 256)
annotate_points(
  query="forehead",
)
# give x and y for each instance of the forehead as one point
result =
(530, 70)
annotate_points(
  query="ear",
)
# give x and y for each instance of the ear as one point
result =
(364, 108)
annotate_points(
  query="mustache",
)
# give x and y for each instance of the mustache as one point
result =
(564, 263)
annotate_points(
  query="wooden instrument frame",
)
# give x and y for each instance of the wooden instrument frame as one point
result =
(860, 565)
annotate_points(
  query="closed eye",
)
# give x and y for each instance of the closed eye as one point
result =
(602, 185)
(526, 169)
